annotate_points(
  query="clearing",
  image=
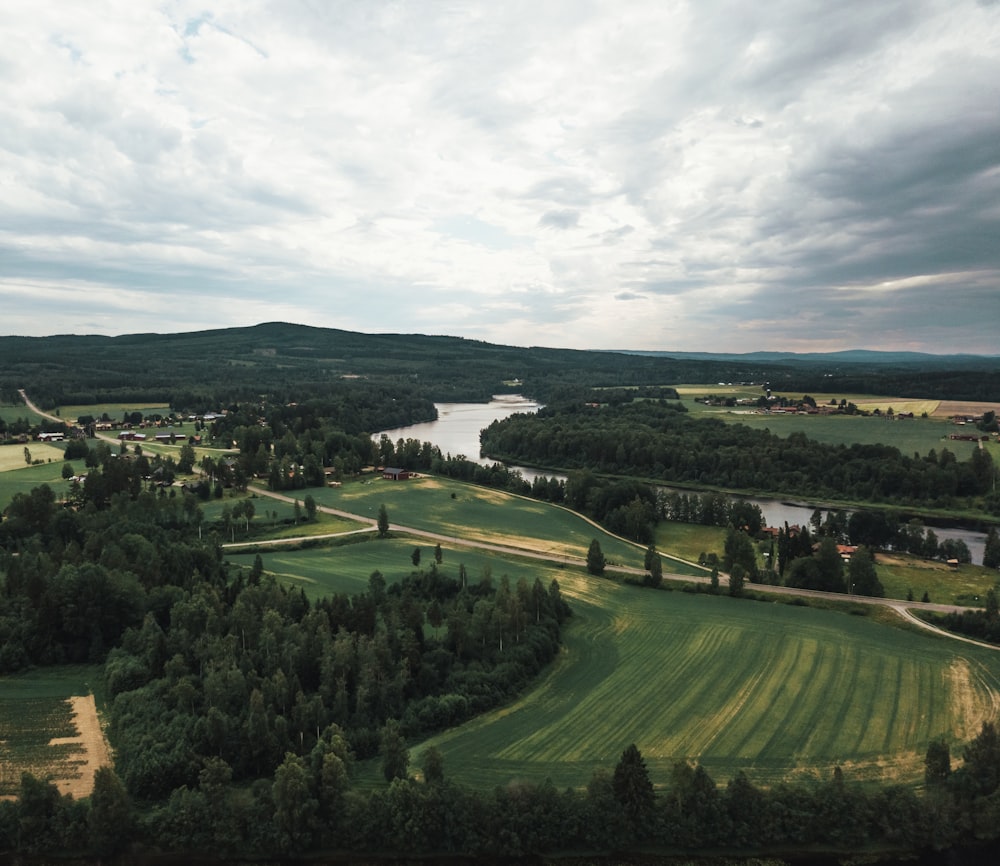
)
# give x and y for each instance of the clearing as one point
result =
(49, 727)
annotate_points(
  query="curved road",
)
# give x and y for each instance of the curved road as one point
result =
(901, 608)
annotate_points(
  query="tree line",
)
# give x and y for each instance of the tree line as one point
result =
(312, 804)
(660, 442)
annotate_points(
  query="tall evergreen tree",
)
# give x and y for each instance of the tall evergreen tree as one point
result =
(595, 558)
(632, 786)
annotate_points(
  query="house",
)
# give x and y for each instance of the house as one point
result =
(51, 437)
(392, 473)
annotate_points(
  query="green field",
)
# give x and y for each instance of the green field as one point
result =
(33, 711)
(11, 413)
(274, 518)
(346, 568)
(115, 411)
(23, 479)
(12, 456)
(776, 690)
(916, 435)
(967, 584)
(478, 513)
(689, 540)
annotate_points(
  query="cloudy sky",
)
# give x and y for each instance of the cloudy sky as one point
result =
(652, 174)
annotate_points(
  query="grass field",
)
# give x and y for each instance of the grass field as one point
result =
(271, 518)
(477, 513)
(11, 413)
(12, 456)
(346, 568)
(115, 411)
(40, 726)
(688, 540)
(918, 434)
(778, 691)
(23, 479)
(967, 584)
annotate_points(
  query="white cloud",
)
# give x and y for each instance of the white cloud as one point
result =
(592, 174)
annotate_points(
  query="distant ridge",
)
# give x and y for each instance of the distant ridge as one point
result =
(847, 356)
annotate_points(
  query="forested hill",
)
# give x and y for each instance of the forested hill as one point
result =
(296, 362)
(288, 363)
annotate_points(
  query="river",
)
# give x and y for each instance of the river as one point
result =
(456, 432)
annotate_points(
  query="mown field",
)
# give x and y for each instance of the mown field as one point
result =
(776, 690)
(21, 479)
(346, 568)
(912, 435)
(12, 456)
(115, 411)
(476, 513)
(34, 710)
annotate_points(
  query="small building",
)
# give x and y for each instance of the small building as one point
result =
(51, 437)
(393, 473)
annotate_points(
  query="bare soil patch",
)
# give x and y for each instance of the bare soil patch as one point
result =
(77, 775)
(947, 408)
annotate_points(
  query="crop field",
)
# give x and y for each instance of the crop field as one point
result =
(49, 727)
(452, 508)
(776, 690)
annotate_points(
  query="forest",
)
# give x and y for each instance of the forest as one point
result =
(660, 442)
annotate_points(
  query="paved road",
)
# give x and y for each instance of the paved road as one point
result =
(903, 608)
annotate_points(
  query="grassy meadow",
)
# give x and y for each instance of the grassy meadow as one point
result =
(779, 691)
(901, 574)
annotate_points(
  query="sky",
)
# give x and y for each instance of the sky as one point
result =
(687, 175)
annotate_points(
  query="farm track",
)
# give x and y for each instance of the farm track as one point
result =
(901, 608)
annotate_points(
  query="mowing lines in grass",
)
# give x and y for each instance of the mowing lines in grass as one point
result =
(772, 689)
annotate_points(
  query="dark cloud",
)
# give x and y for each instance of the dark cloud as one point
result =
(559, 219)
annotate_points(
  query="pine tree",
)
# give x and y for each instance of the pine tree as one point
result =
(595, 558)
(632, 787)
